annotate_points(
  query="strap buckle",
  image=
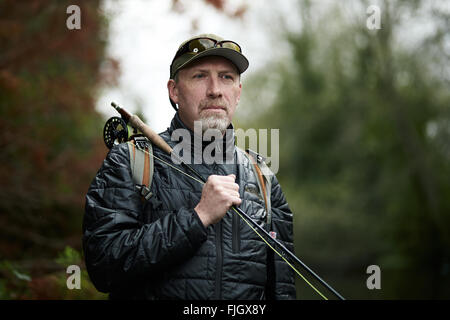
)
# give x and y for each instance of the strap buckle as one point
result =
(259, 158)
(141, 142)
(144, 191)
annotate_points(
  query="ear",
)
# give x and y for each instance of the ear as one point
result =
(173, 90)
(239, 94)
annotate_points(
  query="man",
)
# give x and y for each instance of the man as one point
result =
(185, 242)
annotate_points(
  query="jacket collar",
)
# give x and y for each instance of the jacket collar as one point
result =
(198, 142)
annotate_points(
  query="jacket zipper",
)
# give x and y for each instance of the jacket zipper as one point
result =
(219, 261)
(236, 240)
(236, 230)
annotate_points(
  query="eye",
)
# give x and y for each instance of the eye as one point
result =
(227, 77)
(198, 75)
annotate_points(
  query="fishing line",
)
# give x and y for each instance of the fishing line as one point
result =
(281, 256)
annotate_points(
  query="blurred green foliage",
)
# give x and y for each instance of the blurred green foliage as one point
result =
(15, 284)
(364, 147)
(50, 140)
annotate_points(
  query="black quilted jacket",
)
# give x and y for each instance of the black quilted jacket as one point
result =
(160, 249)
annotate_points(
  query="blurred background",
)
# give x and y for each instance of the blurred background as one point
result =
(363, 114)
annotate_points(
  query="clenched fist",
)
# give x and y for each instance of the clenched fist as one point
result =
(218, 195)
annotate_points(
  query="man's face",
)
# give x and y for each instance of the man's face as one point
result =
(208, 90)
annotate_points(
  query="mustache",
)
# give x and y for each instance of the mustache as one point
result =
(216, 103)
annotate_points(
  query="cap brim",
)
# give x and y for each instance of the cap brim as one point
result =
(238, 59)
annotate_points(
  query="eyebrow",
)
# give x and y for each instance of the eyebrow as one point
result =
(220, 71)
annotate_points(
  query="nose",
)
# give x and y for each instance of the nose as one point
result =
(214, 90)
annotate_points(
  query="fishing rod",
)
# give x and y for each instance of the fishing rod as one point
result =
(138, 124)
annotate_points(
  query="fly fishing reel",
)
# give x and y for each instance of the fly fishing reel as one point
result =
(115, 131)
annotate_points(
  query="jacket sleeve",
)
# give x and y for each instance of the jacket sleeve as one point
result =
(282, 224)
(119, 249)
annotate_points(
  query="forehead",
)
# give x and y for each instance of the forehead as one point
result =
(212, 63)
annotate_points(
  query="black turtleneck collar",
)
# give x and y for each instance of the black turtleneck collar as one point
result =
(199, 142)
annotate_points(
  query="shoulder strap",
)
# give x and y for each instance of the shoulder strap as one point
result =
(264, 179)
(264, 175)
(142, 165)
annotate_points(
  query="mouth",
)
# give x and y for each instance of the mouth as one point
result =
(214, 108)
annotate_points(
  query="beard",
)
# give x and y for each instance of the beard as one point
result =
(214, 122)
(212, 119)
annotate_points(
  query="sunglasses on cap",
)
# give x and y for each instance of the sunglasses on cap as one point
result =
(198, 45)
